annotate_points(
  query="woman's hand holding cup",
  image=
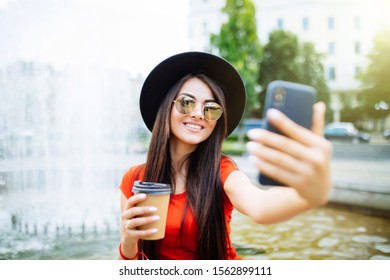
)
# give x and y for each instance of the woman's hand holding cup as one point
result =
(135, 216)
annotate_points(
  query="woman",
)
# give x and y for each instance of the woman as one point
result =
(191, 102)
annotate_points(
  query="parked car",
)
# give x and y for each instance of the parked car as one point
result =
(251, 124)
(386, 134)
(346, 132)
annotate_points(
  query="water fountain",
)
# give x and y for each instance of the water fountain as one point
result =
(66, 137)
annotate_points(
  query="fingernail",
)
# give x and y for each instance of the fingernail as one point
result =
(153, 230)
(273, 114)
(156, 218)
(254, 133)
(152, 209)
(321, 106)
(251, 146)
(254, 160)
(141, 195)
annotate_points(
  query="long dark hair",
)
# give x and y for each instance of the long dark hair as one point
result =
(203, 175)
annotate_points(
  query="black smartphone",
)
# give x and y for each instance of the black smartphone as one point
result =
(296, 102)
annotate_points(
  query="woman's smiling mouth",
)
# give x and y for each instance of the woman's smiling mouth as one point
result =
(193, 126)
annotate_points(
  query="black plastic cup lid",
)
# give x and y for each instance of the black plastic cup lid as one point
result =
(151, 188)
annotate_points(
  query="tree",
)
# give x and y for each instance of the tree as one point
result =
(279, 60)
(238, 43)
(376, 94)
(352, 111)
(285, 58)
(311, 72)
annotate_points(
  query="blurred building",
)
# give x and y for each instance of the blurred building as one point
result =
(341, 29)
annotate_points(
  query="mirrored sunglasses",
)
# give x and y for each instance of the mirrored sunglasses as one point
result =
(184, 104)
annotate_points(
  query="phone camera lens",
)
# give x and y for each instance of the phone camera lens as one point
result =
(279, 95)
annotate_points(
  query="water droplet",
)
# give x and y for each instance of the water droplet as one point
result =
(327, 242)
(384, 248)
(369, 239)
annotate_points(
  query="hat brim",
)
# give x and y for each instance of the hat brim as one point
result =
(172, 69)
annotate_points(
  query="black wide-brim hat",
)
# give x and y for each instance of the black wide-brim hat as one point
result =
(171, 70)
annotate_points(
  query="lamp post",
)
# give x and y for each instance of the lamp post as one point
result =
(382, 107)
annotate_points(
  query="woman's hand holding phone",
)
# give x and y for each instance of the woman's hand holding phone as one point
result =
(298, 157)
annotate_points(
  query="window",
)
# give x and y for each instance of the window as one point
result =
(331, 48)
(331, 23)
(357, 22)
(305, 24)
(357, 47)
(332, 73)
(280, 23)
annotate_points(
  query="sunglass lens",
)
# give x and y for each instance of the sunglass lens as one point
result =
(185, 105)
(212, 111)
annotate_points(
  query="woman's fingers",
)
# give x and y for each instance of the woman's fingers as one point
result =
(298, 157)
(134, 200)
(285, 176)
(318, 124)
(296, 132)
(136, 222)
(289, 161)
(275, 141)
(139, 234)
(131, 226)
(134, 216)
(285, 167)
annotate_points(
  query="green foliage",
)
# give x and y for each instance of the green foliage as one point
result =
(311, 72)
(238, 43)
(233, 147)
(376, 79)
(279, 61)
(353, 115)
(351, 110)
(285, 58)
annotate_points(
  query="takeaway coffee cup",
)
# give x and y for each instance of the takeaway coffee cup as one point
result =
(157, 195)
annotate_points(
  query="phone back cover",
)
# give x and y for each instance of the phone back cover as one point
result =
(297, 105)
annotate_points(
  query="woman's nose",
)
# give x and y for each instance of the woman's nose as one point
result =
(198, 111)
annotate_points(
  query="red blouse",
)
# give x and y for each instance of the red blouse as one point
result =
(171, 247)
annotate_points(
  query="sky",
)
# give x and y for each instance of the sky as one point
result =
(124, 34)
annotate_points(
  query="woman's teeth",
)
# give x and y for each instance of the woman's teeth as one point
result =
(193, 126)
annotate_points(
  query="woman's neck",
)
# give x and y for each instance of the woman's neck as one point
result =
(179, 153)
